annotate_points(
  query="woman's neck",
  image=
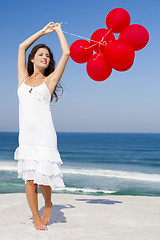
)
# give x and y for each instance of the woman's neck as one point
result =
(37, 75)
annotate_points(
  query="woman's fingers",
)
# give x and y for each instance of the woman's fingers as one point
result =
(50, 23)
(50, 27)
(57, 25)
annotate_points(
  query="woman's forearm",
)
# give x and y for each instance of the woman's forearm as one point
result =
(48, 29)
(29, 41)
(63, 41)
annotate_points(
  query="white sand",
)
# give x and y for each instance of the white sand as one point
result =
(83, 217)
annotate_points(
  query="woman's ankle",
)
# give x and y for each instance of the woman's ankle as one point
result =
(48, 204)
(36, 217)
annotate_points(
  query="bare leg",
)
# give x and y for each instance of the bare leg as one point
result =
(46, 192)
(32, 197)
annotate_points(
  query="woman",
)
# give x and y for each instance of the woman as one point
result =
(39, 162)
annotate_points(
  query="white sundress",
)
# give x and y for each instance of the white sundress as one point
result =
(37, 153)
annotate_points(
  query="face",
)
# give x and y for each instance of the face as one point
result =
(41, 58)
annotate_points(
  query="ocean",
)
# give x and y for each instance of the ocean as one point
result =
(94, 163)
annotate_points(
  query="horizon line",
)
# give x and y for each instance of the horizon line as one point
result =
(93, 132)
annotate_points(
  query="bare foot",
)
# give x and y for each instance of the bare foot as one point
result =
(46, 214)
(39, 225)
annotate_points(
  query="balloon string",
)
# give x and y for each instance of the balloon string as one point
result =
(90, 46)
(89, 39)
(106, 34)
(100, 41)
(97, 56)
(81, 36)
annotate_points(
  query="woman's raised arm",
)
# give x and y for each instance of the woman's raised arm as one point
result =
(56, 75)
(22, 68)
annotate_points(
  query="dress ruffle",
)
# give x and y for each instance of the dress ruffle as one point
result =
(41, 164)
(54, 181)
(40, 153)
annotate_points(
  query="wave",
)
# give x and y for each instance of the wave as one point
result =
(11, 166)
(87, 190)
(115, 174)
(8, 166)
(66, 189)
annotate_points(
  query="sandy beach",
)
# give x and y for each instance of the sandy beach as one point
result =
(83, 217)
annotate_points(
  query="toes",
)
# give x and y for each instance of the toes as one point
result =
(42, 228)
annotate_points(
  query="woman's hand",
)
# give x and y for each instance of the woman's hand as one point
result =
(50, 27)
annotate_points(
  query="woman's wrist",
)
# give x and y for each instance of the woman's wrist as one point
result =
(42, 32)
(58, 29)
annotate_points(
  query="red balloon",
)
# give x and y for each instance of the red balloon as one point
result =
(136, 35)
(120, 54)
(80, 51)
(103, 36)
(97, 67)
(117, 20)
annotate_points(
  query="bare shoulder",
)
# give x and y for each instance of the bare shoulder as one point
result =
(21, 79)
(51, 83)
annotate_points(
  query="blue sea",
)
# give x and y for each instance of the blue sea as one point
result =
(94, 163)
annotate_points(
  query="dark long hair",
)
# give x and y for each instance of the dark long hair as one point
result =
(47, 71)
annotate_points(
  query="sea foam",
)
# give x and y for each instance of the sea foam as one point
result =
(139, 176)
(114, 174)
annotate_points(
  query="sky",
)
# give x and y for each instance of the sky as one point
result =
(125, 102)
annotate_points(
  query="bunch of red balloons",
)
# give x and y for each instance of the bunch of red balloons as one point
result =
(110, 53)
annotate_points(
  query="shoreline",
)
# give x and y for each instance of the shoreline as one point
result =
(94, 194)
(75, 216)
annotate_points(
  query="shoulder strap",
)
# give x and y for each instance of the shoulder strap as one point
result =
(25, 79)
(45, 79)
